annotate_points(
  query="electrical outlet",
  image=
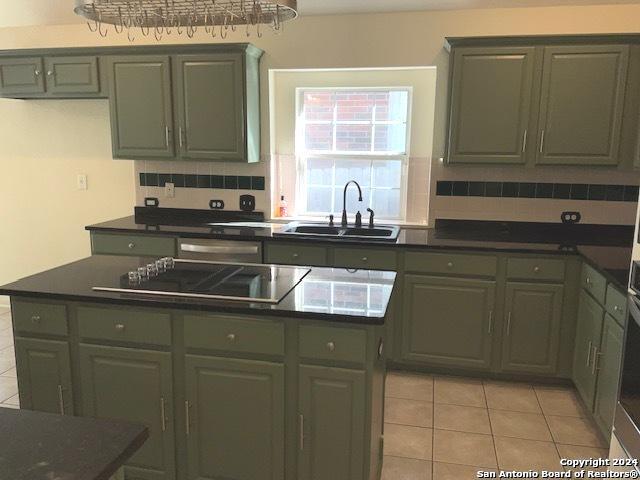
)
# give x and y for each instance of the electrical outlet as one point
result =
(169, 190)
(82, 181)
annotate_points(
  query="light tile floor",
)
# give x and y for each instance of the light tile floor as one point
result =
(448, 428)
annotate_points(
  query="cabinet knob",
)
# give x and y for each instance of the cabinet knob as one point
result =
(36, 72)
(536, 269)
(35, 319)
(588, 280)
(119, 327)
(450, 265)
(295, 255)
(231, 337)
(331, 346)
(365, 259)
(49, 73)
(616, 308)
(131, 246)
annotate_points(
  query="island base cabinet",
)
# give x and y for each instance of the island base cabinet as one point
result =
(532, 328)
(44, 375)
(235, 419)
(448, 321)
(331, 424)
(588, 336)
(136, 386)
(608, 366)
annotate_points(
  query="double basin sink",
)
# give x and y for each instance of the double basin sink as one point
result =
(382, 233)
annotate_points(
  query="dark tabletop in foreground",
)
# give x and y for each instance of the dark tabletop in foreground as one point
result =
(606, 247)
(332, 294)
(43, 446)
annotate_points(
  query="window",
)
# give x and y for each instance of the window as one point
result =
(352, 134)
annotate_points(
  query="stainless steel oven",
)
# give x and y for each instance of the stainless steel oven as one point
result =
(214, 250)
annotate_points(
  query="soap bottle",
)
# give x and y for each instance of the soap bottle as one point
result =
(284, 212)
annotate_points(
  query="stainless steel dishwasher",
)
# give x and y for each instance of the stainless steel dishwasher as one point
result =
(214, 250)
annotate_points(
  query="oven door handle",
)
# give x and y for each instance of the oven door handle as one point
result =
(239, 250)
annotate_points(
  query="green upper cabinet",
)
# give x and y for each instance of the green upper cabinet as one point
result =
(44, 375)
(196, 106)
(133, 385)
(581, 107)
(491, 96)
(72, 75)
(331, 424)
(235, 419)
(608, 361)
(210, 106)
(21, 76)
(588, 336)
(532, 328)
(448, 321)
(141, 106)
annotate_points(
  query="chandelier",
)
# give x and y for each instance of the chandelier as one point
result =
(162, 17)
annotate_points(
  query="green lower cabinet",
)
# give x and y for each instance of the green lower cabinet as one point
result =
(448, 321)
(331, 424)
(44, 375)
(235, 417)
(588, 336)
(133, 385)
(608, 366)
(532, 328)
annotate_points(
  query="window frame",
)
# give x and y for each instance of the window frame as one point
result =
(302, 155)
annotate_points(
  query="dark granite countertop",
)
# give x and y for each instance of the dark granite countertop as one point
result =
(606, 247)
(330, 294)
(43, 446)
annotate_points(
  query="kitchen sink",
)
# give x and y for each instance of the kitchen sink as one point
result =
(382, 233)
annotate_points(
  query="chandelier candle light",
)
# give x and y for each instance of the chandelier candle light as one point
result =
(162, 17)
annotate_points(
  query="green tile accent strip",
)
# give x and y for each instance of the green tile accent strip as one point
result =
(558, 191)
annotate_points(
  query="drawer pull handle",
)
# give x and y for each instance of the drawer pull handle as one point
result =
(186, 418)
(295, 255)
(35, 319)
(231, 337)
(131, 246)
(119, 327)
(163, 417)
(331, 346)
(594, 363)
(61, 399)
(589, 353)
(450, 265)
(509, 325)
(536, 269)
(365, 259)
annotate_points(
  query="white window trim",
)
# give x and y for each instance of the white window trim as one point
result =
(403, 157)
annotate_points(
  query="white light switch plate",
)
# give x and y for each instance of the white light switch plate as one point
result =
(82, 181)
(169, 190)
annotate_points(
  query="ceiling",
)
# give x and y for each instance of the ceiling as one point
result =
(53, 12)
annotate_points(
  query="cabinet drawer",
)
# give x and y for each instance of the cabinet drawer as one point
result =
(109, 244)
(296, 254)
(35, 317)
(535, 268)
(369, 258)
(594, 283)
(451, 263)
(330, 343)
(615, 304)
(234, 334)
(120, 325)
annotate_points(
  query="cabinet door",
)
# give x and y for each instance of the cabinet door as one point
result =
(44, 375)
(583, 92)
(210, 102)
(332, 424)
(140, 105)
(235, 419)
(588, 335)
(608, 361)
(491, 94)
(72, 75)
(21, 76)
(532, 328)
(448, 321)
(133, 385)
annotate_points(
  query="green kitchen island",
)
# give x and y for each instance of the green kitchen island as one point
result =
(228, 390)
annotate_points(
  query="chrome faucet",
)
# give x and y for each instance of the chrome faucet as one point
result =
(344, 200)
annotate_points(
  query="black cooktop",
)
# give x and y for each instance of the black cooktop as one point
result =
(214, 280)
